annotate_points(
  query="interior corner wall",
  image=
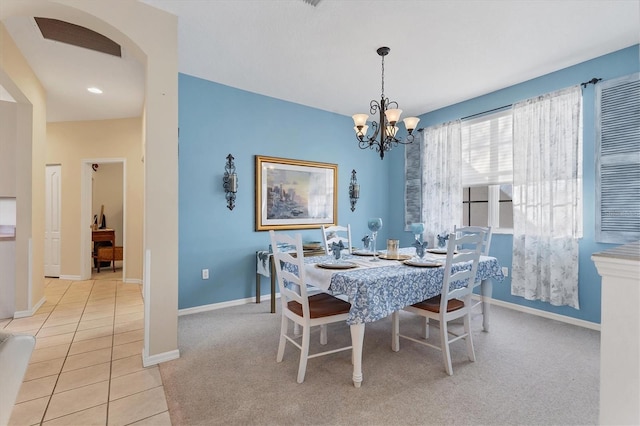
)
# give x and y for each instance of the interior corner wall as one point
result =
(68, 143)
(25, 88)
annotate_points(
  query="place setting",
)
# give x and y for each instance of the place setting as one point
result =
(337, 262)
(419, 259)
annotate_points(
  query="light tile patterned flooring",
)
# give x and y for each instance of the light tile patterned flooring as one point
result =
(86, 368)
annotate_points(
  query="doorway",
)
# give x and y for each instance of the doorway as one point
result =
(103, 206)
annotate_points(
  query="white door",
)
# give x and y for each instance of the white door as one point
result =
(52, 221)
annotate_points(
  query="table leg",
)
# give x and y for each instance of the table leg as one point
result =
(357, 341)
(273, 286)
(486, 288)
(257, 287)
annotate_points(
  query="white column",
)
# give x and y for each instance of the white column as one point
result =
(620, 335)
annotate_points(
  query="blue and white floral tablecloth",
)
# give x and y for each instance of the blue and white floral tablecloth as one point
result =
(376, 292)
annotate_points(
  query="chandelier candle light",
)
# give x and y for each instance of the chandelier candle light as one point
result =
(385, 127)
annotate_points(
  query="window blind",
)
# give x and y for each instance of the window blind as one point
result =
(618, 160)
(487, 149)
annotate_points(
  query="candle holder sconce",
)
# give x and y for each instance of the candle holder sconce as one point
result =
(354, 190)
(230, 182)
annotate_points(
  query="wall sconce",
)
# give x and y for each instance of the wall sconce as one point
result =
(230, 182)
(354, 190)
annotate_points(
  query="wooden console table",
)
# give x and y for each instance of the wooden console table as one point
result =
(105, 235)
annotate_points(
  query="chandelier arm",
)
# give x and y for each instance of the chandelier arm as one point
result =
(374, 107)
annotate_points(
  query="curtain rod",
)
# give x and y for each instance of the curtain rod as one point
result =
(479, 113)
(594, 80)
(486, 112)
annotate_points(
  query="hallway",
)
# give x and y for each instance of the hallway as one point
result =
(87, 366)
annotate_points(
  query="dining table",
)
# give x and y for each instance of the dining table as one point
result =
(379, 288)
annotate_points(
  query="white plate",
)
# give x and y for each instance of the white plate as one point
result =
(362, 253)
(337, 265)
(396, 257)
(423, 264)
(438, 251)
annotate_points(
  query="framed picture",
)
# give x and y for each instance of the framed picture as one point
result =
(295, 194)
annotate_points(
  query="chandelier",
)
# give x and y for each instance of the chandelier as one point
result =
(386, 127)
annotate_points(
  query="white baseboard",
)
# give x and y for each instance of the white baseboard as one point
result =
(544, 314)
(220, 305)
(158, 358)
(70, 277)
(30, 312)
(508, 305)
(132, 281)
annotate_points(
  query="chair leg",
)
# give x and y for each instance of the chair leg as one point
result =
(444, 344)
(283, 341)
(304, 353)
(323, 334)
(469, 340)
(395, 331)
(425, 328)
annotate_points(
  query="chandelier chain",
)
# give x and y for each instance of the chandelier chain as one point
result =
(382, 95)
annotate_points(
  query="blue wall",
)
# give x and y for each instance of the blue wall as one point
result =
(217, 120)
(212, 120)
(610, 66)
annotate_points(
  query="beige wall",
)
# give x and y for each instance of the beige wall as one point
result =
(23, 85)
(71, 144)
(156, 44)
(8, 136)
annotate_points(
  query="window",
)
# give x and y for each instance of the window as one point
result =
(488, 205)
(487, 170)
(618, 160)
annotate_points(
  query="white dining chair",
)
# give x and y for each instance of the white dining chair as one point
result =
(452, 303)
(335, 234)
(486, 245)
(299, 306)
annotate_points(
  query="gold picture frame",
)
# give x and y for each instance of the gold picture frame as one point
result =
(295, 194)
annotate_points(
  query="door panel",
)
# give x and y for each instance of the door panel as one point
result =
(52, 221)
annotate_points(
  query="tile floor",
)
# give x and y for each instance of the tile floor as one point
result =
(86, 368)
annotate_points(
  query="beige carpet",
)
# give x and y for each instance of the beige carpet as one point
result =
(529, 370)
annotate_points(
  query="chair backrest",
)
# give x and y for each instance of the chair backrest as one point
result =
(335, 234)
(461, 282)
(486, 244)
(290, 271)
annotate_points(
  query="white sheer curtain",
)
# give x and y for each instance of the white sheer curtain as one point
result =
(441, 184)
(547, 197)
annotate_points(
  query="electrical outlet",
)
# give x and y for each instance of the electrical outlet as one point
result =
(205, 274)
(505, 271)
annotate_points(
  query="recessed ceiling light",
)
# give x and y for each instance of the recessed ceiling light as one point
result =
(94, 90)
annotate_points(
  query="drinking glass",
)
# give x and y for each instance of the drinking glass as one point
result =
(418, 230)
(374, 225)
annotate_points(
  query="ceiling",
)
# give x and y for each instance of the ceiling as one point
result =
(324, 56)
